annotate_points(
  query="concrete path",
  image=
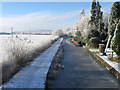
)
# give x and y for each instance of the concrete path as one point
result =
(34, 75)
(82, 71)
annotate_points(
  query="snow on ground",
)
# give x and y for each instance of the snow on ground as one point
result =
(94, 50)
(115, 65)
(39, 67)
(109, 51)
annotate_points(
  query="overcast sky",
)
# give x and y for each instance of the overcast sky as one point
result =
(25, 16)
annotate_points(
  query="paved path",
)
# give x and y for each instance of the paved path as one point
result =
(82, 71)
(34, 75)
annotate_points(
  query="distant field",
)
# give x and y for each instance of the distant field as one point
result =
(25, 42)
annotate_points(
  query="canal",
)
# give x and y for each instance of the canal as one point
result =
(81, 70)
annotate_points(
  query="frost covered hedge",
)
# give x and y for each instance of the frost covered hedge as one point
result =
(58, 33)
(114, 16)
(116, 40)
(17, 51)
(114, 27)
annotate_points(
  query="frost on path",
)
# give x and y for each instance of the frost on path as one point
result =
(34, 74)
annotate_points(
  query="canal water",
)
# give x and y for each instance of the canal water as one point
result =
(81, 70)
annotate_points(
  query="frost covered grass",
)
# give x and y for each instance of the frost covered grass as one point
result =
(16, 51)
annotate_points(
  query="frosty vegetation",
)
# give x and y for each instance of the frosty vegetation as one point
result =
(114, 27)
(18, 50)
(58, 33)
(95, 28)
(116, 40)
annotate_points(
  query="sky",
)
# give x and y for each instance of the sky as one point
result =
(25, 16)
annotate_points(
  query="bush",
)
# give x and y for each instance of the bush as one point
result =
(113, 17)
(58, 33)
(17, 51)
(95, 42)
(116, 40)
(93, 33)
(103, 35)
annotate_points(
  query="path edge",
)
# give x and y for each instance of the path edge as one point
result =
(105, 64)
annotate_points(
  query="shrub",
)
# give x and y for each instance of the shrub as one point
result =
(95, 42)
(93, 33)
(116, 40)
(17, 51)
(103, 36)
(114, 16)
(58, 33)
